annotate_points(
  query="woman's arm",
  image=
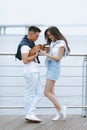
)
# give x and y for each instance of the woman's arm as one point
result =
(56, 58)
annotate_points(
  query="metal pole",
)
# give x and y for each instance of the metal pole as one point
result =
(84, 87)
(0, 30)
(4, 30)
(86, 84)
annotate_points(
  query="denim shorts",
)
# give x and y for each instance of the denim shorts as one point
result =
(53, 70)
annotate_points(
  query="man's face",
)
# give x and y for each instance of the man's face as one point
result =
(33, 36)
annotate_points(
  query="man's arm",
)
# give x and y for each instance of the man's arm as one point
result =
(26, 58)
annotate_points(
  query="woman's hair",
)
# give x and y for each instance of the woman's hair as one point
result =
(46, 37)
(57, 34)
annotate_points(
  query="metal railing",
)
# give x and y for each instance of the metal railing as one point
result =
(3, 28)
(3, 31)
(80, 27)
(84, 85)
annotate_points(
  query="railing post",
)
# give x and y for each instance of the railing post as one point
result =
(4, 30)
(84, 86)
(0, 30)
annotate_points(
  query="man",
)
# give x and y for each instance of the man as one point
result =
(33, 87)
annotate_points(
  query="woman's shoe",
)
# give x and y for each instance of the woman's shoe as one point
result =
(57, 117)
(63, 113)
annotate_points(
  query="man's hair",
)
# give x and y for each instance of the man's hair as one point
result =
(34, 29)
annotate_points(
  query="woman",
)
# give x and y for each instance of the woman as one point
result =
(58, 48)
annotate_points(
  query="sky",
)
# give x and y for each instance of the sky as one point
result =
(43, 12)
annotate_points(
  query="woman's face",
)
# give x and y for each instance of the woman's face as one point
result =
(51, 36)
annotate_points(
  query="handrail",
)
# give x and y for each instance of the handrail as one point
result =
(69, 55)
(27, 25)
(12, 107)
(19, 25)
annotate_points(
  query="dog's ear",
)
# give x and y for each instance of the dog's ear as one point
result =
(41, 46)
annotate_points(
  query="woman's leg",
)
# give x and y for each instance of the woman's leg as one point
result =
(49, 92)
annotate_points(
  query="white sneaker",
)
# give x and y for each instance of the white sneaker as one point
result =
(63, 113)
(32, 117)
(57, 117)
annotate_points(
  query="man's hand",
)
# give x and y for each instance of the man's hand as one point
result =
(35, 49)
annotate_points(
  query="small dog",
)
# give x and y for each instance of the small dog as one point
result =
(37, 48)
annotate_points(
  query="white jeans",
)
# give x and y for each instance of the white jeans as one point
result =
(33, 91)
